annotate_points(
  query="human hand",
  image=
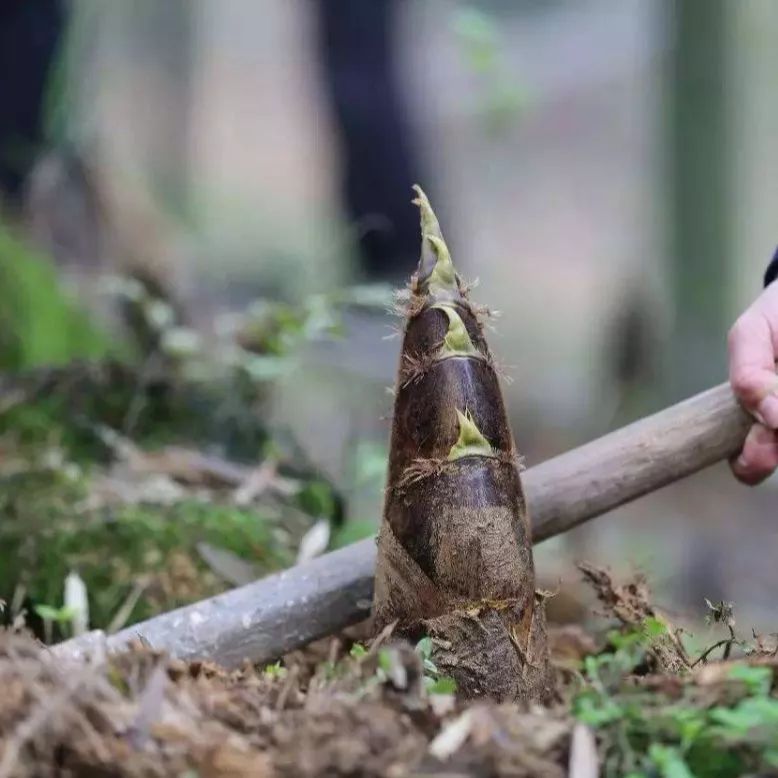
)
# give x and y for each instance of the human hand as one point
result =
(753, 350)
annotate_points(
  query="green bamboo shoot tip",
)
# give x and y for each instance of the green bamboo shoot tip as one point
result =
(457, 340)
(443, 277)
(471, 443)
(429, 222)
(436, 273)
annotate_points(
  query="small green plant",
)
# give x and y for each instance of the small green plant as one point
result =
(692, 731)
(62, 617)
(434, 682)
(275, 670)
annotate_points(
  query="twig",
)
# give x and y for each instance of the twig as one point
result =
(291, 681)
(149, 707)
(725, 642)
(730, 642)
(125, 609)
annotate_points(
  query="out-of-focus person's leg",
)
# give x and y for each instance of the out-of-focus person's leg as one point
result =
(357, 51)
(30, 34)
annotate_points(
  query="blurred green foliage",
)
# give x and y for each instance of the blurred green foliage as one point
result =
(68, 401)
(677, 730)
(70, 407)
(60, 425)
(501, 97)
(434, 682)
(368, 462)
(47, 530)
(39, 325)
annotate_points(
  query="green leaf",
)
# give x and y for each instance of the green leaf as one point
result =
(442, 685)
(424, 648)
(59, 615)
(653, 627)
(749, 715)
(688, 722)
(358, 651)
(430, 667)
(669, 761)
(316, 498)
(385, 660)
(589, 708)
(276, 670)
(757, 679)
(591, 667)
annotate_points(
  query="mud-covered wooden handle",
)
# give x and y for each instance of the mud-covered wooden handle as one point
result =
(262, 620)
(635, 460)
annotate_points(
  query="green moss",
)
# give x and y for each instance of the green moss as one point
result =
(47, 530)
(57, 427)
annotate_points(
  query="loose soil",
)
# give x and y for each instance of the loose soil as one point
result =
(336, 709)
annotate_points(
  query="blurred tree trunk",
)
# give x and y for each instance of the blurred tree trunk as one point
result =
(165, 33)
(755, 117)
(701, 227)
(699, 199)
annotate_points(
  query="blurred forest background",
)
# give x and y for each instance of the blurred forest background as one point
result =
(220, 192)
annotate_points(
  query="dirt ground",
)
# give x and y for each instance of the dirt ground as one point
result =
(143, 715)
(346, 708)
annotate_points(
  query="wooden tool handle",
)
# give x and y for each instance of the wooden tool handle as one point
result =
(262, 620)
(635, 460)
